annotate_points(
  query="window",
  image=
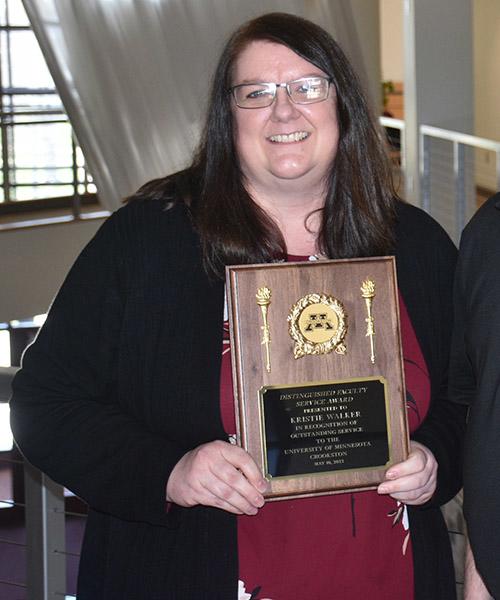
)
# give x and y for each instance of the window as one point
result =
(40, 159)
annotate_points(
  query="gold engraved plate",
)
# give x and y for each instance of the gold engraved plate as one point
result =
(318, 324)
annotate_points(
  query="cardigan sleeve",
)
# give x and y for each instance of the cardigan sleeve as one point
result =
(63, 412)
(426, 267)
(462, 385)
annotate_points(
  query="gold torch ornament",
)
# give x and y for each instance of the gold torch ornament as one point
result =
(368, 293)
(263, 297)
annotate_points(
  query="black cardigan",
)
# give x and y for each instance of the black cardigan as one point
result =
(123, 379)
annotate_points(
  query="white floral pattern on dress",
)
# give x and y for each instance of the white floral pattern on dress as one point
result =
(244, 595)
(400, 515)
(405, 522)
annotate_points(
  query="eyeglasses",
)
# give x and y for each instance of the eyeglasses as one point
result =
(306, 90)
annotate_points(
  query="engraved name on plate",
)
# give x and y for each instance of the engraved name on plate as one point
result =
(316, 428)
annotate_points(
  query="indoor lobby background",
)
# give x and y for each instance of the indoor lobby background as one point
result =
(114, 97)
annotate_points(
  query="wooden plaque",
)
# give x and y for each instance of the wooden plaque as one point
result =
(318, 373)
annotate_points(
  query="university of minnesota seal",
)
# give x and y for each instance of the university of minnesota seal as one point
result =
(318, 324)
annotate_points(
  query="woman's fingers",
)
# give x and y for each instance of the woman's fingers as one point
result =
(218, 493)
(239, 458)
(412, 481)
(217, 474)
(408, 491)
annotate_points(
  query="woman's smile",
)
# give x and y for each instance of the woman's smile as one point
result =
(287, 138)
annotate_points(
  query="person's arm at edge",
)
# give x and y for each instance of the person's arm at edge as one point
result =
(474, 588)
(442, 432)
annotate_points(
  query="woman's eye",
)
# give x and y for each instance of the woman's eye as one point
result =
(309, 88)
(257, 93)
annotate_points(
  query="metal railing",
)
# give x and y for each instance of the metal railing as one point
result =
(459, 141)
(44, 515)
(462, 167)
(399, 124)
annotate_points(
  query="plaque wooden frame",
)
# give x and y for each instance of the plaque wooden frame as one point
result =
(263, 355)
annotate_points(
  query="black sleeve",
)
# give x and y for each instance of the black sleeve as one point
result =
(428, 272)
(462, 385)
(443, 433)
(63, 412)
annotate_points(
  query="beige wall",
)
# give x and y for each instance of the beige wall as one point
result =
(487, 67)
(34, 262)
(487, 84)
(391, 39)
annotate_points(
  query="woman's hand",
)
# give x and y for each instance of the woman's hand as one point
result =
(217, 474)
(412, 481)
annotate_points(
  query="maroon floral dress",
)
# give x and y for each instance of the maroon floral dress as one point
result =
(346, 546)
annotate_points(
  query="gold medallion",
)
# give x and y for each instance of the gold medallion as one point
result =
(318, 324)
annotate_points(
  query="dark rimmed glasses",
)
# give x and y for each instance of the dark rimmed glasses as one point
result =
(306, 90)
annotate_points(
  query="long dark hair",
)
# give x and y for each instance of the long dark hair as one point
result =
(357, 218)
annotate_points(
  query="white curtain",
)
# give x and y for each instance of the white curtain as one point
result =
(134, 75)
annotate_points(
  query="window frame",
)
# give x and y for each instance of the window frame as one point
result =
(37, 116)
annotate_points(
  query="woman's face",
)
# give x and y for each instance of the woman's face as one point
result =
(267, 159)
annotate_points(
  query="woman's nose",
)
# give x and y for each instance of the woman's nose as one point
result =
(283, 107)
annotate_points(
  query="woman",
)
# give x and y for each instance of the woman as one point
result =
(124, 397)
